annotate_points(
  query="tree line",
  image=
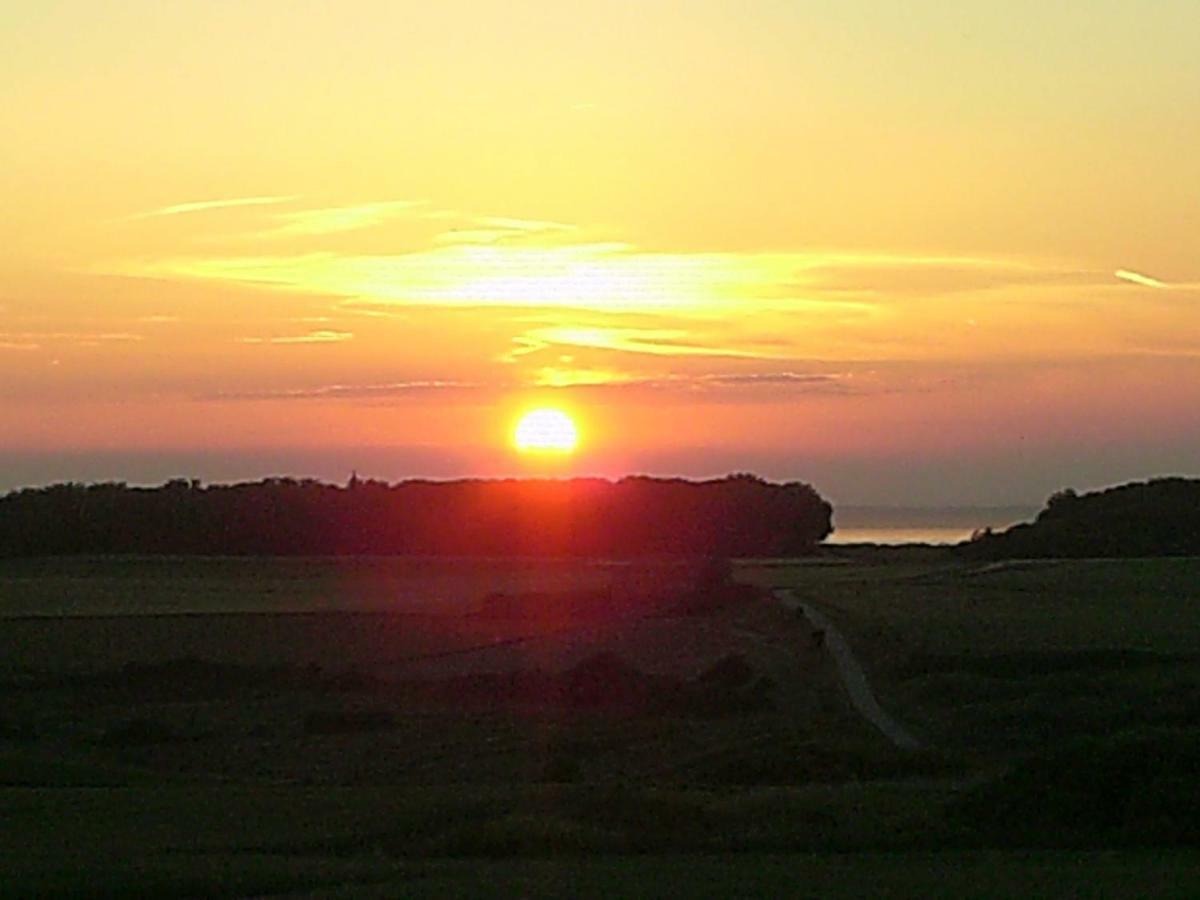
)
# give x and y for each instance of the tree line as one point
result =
(738, 515)
(1160, 517)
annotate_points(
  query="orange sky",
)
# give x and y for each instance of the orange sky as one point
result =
(909, 254)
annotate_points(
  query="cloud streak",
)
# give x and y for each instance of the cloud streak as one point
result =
(313, 337)
(206, 205)
(515, 262)
(32, 340)
(337, 219)
(1139, 279)
(653, 341)
(352, 391)
(592, 380)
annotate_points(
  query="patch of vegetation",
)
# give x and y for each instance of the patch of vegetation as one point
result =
(348, 721)
(17, 729)
(1160, 517)
(797, 760)
(1131, 789)
(1034, 663)
(137, 732)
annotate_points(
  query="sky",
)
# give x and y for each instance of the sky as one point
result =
(912, 253)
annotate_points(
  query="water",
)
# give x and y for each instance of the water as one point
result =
(915, 535)
(912, 525)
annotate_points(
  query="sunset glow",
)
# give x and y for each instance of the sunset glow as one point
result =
(909, 255)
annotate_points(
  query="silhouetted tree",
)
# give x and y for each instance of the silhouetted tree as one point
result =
(741, 515)
(1160, 517)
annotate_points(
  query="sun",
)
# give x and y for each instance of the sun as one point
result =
(545, 430)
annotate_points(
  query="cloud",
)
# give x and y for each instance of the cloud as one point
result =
(313, 337)
(32, 340)
(654, 341)
(494, 229)
(710, 384)
(352, 391)
(473, 236)
(337, 219)
(517, 262)
(205, 205)
(771, 378)
(566, 378)
(1139, 279)
(595, 276)
(532, 225)
(893, 275)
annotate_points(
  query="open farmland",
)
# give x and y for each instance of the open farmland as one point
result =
(117, 586)
(397, 726)
(1013, 655)
(412, 693)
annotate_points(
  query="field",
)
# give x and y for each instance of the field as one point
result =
(1010, 656)
(371, 727)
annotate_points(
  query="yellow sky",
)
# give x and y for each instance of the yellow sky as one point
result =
(909, 253)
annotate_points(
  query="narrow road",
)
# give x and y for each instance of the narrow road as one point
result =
(853, 677)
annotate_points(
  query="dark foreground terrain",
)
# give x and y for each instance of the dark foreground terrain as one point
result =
(386, 727)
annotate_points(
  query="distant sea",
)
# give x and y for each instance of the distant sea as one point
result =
(920, 525)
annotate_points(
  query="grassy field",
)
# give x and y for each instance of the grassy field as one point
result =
(117, 586)
(1015, 655)
(218, 745)
(238, 840)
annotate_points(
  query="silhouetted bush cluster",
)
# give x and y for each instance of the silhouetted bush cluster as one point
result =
(1153, 518)
(740, 515)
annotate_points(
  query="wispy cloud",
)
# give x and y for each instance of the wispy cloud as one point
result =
(527, 225)
(497, 229)
(771, 378)
(473, 236)
(598, 276)
(612, 297)
(32, 340)
(313, 337)
(926, 276)
(352, 391)
(569, 376)
(205, 205)
(708, 383)
(565, 378)
(337, 219)
(514, 262)
(1139, 279)
(657, 342)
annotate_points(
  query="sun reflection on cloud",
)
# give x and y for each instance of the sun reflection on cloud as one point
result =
(533, 284)
(599, 276)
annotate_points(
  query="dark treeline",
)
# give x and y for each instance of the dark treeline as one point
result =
(740, 515)
(1160, 517)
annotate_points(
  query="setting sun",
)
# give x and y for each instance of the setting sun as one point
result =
(546, 430)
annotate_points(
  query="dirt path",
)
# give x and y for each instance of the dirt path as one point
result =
(862, 698)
